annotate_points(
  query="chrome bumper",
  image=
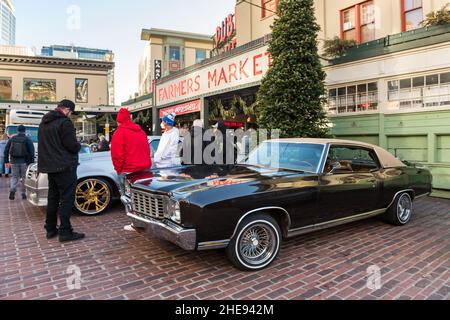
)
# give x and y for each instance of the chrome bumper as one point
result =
(163, 229)
(37, 197)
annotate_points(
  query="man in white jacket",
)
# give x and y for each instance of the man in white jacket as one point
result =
(166, 155)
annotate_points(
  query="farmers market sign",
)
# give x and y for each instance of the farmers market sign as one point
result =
(239, 70)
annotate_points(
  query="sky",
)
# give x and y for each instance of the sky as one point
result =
(114, 25)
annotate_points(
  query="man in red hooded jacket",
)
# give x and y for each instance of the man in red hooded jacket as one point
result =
(130, 150)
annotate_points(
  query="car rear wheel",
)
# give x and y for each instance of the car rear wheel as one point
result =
(93, 196)
(256, 243)
(399, 214)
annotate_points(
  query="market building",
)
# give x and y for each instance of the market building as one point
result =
(392, 89)
(93, 54)
(36, 84)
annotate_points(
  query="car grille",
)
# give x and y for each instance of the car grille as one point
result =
(150, 205)
(31, 174)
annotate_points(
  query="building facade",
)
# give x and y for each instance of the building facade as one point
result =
(7, 23)
(34, 83)
(167, 52)
(392, 89)
(72, 52)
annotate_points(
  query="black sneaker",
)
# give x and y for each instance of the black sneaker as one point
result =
(71, 237)
(52, 234)
(24, 197)
(12, 196)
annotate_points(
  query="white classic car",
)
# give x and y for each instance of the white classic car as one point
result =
(97, 186)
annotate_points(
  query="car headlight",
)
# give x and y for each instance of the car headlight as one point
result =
(127, 188)
(175, 211)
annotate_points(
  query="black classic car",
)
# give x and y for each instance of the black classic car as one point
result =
(286, 187)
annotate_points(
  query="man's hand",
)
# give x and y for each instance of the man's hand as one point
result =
(8, 165)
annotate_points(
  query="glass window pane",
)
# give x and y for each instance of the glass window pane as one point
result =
(405, 84)
(333, 93)
(174, 53)
(445, 77)
(368, 32)
(412, 4)
(5, 89)
(414, 19)
(200, 55)
(418, 82)
(350, 35)
(362, 88)
(342, 91)
(367, 13)
(432, 80)
(351, 90)
(81, 90)
(393, 85)
(349, 19)
(373, 86)
(39, 90)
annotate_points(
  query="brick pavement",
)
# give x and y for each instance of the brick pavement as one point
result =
(330, 264)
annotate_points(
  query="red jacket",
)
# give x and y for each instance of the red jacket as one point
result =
(130, 150)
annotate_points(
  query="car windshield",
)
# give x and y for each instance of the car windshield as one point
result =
(292, 156)
(31, 132)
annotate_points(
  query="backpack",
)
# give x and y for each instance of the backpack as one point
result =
(18, 147)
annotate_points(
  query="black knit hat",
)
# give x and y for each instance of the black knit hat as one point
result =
(68, 104)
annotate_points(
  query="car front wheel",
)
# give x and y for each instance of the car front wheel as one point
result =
(256, 243)
(93, 196)
(399, 214)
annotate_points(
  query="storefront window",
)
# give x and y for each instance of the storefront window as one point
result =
(39, 90)
(423, 91)
(353, 98)
(81, 90)
(5, 89)
(362, 29)
(200, 55)
(412, 15)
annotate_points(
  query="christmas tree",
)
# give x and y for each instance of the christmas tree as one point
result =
(292, 94)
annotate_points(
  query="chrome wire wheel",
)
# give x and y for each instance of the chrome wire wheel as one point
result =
(258, 244)
(92, 196)
(404, 208)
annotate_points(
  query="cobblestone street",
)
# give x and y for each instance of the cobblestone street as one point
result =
(330, 264)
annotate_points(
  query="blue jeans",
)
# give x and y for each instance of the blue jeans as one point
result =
(18, 173)
(3, 169)
(122, 183)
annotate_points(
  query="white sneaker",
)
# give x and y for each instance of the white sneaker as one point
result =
(129, 228)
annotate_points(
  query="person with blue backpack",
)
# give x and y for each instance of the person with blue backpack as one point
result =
(19, 154)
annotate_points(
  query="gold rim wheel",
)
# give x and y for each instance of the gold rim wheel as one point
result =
(92, 196)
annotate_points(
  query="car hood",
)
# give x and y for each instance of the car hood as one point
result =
(94, 156)
(190, 179)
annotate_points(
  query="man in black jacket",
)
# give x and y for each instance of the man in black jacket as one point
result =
(19, 154)
(58, 157)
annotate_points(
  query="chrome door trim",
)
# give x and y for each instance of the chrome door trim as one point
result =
(334, 223)
(210, 245)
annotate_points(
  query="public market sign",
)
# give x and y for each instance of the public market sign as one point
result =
(184, 108)
(243, 69)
